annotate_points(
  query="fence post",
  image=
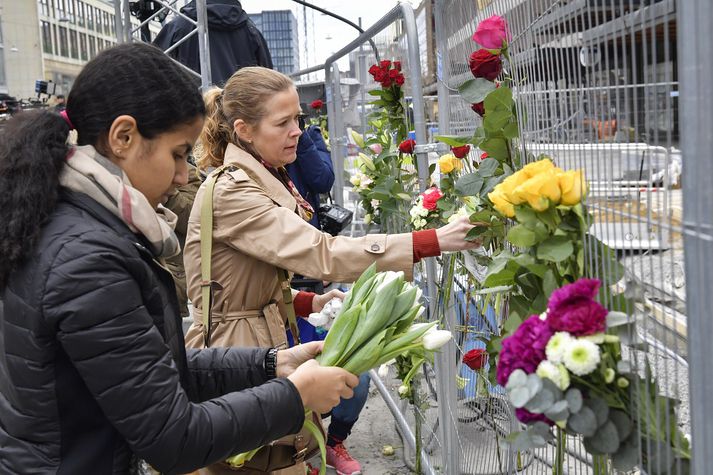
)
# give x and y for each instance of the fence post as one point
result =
(203, 44)
(119, 24)
(695, 67)
(336, 127)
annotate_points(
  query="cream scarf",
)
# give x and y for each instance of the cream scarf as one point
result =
(90, 173)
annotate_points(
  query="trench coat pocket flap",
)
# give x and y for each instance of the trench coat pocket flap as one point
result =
(375, 243)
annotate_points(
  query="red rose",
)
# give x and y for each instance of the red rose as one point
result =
(407, 146)
(484, 64)
(461, 151)
(399, 80)
(380, 75)
(475, 359)
(386, 82)
(385, 64)
(431, 197)
(397, 65)
(317, 104)
(374, 69)
(393, 73)
(484, 155)
(479, 108)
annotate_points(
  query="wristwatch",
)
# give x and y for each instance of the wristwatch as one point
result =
(270, 363)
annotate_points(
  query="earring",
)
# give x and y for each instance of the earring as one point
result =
(117, 152)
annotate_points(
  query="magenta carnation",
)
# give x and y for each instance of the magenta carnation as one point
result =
(526, 417)
(524, 349)
(573, 309)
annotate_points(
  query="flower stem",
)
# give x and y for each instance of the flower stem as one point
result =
(557, 467)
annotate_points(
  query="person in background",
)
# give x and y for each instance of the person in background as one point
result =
(180, 203)
(234, 39)
(94, 374)
(261, 223)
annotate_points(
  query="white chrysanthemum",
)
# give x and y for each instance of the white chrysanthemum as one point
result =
(423, 212)
(581, 357)
(556, 346)
(556, 373)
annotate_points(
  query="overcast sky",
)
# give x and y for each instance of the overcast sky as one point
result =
(326, 27)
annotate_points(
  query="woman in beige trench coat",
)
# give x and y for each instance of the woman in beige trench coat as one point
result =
(259, 220)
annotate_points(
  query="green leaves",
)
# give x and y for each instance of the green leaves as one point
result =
(469, 184)
(496, 148)
(555, 249)
(454, 140)
(521, 236)
(475, 90)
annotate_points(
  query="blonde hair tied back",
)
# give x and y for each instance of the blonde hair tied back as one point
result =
(243, 97)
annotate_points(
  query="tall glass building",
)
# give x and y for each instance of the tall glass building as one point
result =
(279, 27)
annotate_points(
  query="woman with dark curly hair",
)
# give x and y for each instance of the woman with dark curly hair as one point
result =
(93, 371)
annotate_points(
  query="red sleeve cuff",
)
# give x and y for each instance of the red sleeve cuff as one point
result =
(303, 303)
(425, 244)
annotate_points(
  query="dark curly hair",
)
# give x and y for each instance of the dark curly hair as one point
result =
(131, 79)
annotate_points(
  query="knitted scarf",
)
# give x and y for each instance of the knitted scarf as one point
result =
(90, 173)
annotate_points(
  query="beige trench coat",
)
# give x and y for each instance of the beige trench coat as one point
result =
(256, 230)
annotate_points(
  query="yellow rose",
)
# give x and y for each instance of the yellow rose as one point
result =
(572, 186)
(501, 204)
(540, 190)
(449, 162)
(508, 185)
(535, 168)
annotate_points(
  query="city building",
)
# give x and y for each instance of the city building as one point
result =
(51, 40)
(279, 27)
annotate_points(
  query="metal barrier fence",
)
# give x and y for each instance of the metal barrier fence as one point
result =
(597, 89)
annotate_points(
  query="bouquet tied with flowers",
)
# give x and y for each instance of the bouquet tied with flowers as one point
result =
(565, 368)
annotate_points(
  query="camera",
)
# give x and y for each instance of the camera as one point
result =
(334, 218)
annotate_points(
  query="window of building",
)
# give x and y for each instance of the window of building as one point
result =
(90, 17)
(44, 7)
(80, 14)
(60, 9)
(74, 50)
(98, 19)
(92, 46)
(63, 42)
(70, 10)
(46, 37)
(112, 24)
(107, 30)
(83, 47)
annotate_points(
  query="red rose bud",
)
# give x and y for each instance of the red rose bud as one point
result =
(407, 146)
(484, 64)
(317, 104)
(397, 65)
(374, 70)
(385, 64)
(484, 155)
(475, 359)
(399, 80)
(386, 82)
(380, 75)
(461, 151)
(479, 108)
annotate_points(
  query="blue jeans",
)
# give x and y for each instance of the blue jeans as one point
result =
(346, 413)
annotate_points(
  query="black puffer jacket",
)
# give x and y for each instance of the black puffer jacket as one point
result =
(235, 41)
(93, 369)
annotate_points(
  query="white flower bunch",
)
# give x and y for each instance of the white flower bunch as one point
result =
(325, 318)
(418, 214)
(360, 180)
(461, 213)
